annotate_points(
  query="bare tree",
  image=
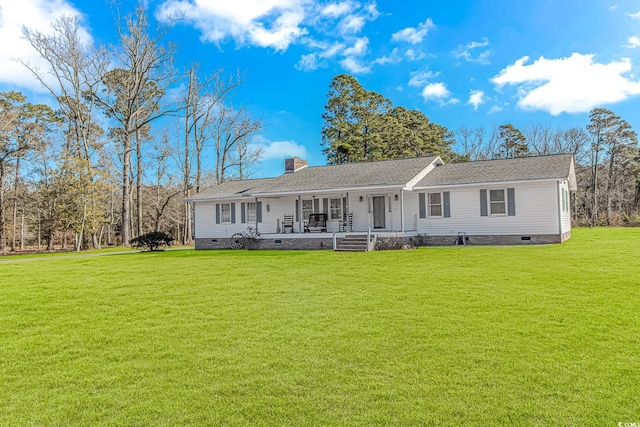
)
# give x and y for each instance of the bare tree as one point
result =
(233, 127)
(131, 94)
(74, 68)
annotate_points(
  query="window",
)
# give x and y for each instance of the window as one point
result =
(435, 204)
(251, 211)
(335, 208)
(225, 211)
(565, 200)
(307, 208)
(497, 199)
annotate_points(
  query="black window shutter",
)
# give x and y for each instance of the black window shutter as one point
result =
(297, 211)
(258, 211)
(344, 207)
(233, 213)
(446, 204)
(316, 205)
(483, 203)
(325, 205)
(423, 207)
(243, 215)
(511, 201)
(217, 213)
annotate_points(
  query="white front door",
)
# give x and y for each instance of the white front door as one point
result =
(379, 209)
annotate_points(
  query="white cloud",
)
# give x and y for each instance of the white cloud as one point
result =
(265, 23)
(634, 15)
(414, 35)
(393, 58)
(359, 47)
(495, 109)
(438, 92)
(308, 63)
(613, 7)
(465, 52)
(337, 9)
(420, 78)
(282, 150)
(633, 42)
(573, 84)
(36, 15)
(354, 66)
(476, 98)
(351, 24)
(327, 31)
(412, 55)
(332, 50)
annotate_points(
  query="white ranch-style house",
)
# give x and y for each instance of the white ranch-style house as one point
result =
(508, 201)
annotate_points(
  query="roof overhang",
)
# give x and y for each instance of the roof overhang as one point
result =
(330, 190)
(487, 183)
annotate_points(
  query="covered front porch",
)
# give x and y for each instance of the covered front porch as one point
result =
(378, 210)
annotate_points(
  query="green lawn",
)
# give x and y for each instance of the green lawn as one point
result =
(535, 335)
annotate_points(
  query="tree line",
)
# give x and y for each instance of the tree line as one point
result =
(129, 137)
(362, 125)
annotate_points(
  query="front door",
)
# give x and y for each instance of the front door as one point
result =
(378, 212)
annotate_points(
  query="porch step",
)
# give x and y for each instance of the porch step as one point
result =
(353, 243)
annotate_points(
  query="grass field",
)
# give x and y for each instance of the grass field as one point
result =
(531, 335)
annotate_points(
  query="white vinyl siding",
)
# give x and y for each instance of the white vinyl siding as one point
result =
(539, 209)
(536, 212)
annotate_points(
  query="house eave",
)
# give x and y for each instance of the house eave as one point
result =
(208, 199)
(488, 183)
(330, 190)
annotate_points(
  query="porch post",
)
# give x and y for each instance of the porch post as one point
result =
(344, 214)
(300, 216)
(257, 214)
(402, 210)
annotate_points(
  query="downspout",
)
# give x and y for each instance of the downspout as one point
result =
(559, 209)
(256, 214)
(402, 211)
(346, 207)
(300, 215)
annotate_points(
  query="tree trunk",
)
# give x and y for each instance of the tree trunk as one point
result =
(15, 205)
(126, 213)
(139, 182)
(22, 231)
(2, 233)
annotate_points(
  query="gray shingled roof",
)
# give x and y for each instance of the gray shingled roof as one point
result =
(519, 169)
(363, 174)
(317, 178)
(233, 189)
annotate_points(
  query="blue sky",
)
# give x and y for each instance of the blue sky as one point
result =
(463, 63)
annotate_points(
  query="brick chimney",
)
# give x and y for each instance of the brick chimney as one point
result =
(294, 165)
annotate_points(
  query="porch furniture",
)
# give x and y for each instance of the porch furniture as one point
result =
(346, 224)
(287, 223)
(317, 222)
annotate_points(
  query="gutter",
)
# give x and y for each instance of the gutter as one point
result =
(486, 183)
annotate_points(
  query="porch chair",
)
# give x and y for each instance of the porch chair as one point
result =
(287, 223)
(317, 222)
(346, 224)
